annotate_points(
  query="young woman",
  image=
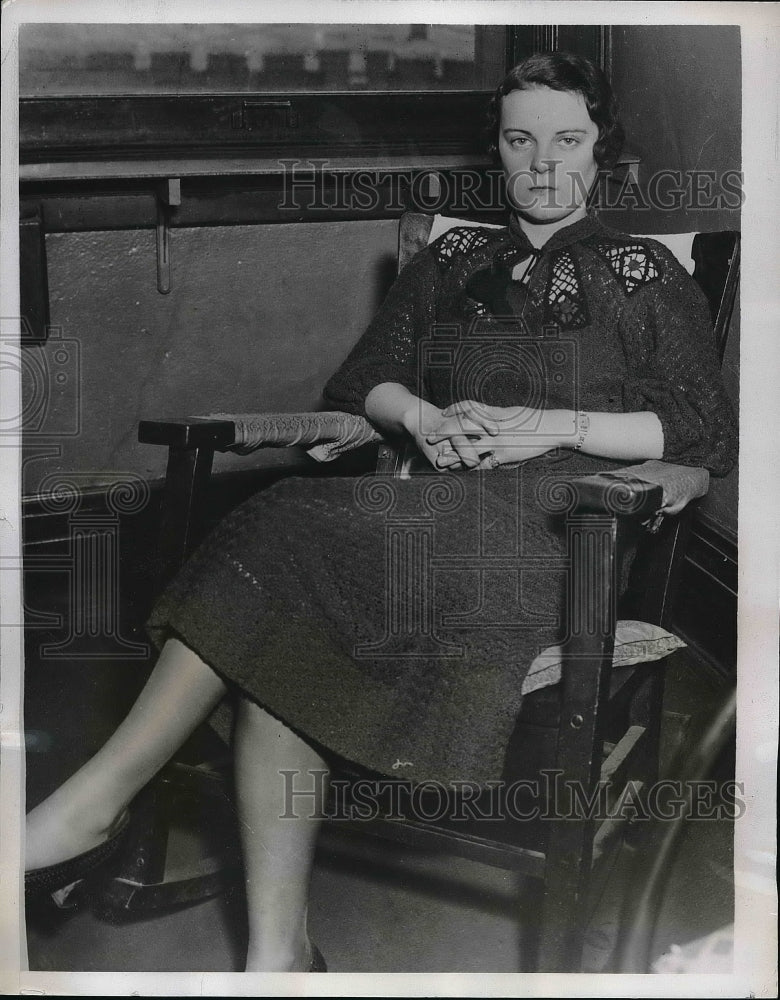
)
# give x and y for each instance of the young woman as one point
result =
(570, 349)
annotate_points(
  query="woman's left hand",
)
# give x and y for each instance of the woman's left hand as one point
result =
(479, 436)
(465, 433)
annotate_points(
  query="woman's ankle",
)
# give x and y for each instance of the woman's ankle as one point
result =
(68, 823)
(280, 956)
(283, 961)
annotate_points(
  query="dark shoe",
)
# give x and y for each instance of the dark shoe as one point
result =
(317, 963)
(52, 878)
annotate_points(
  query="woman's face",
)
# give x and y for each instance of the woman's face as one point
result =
(545, 141)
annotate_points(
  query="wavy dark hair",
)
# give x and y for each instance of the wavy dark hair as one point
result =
(573, 73)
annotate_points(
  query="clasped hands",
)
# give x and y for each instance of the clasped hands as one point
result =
(472, 435)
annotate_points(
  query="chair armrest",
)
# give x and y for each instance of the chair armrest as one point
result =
(640, 489)
(639, 493)
(188, 433)
(326, 435)
(604, 493)
(680, 483)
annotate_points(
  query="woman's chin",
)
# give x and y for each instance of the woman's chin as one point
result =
(541, 215)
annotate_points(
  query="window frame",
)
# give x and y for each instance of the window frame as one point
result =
(62, 129)
(365, 125)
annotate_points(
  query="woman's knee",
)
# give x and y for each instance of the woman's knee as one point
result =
(257, 725)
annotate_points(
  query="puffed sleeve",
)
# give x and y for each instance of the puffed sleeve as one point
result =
(388, 350)
(674, 369)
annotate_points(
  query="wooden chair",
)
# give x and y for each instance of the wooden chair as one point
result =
(596, 725)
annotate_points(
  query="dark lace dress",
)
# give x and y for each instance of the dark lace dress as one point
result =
(395, 621)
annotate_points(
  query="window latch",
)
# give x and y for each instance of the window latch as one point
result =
(264, 116)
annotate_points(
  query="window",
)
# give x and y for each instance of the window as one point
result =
(155, 91)
(86, 60)
(123, 91)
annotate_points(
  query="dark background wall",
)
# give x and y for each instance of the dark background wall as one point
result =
(258, 316)
(256, 320)
(680, 93)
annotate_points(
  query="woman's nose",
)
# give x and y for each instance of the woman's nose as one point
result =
(542, 162)
(543, 159)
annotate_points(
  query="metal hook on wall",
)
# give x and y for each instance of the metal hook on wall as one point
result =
(168, 197)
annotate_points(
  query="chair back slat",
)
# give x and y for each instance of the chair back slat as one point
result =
(413, 232)
(716, 257)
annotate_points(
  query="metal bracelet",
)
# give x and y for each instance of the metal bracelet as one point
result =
(583, 426)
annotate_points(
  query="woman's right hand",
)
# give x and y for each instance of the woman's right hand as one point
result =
(394, 408)
(420, 420)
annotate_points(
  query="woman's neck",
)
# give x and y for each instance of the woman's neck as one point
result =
(538, 233)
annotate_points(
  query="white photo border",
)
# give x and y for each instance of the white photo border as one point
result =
(759, 525)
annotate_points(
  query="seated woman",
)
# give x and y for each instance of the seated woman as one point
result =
(280, 606)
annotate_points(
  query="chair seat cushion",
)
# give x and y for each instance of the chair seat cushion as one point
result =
(635, 642)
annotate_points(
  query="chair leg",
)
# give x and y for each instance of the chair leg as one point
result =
(566, 885)
(143, 881)
(143, 860)
(646, 710)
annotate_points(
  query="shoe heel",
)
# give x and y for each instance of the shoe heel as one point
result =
(317, 963)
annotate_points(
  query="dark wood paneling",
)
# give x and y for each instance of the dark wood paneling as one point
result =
(705, 613)
(33, 277)
(589, 40)
(301, 125)
(89, 205)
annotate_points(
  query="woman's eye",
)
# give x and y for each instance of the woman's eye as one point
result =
(519, 140)
(568, 140)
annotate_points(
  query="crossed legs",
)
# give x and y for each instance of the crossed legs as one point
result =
(181, 692)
